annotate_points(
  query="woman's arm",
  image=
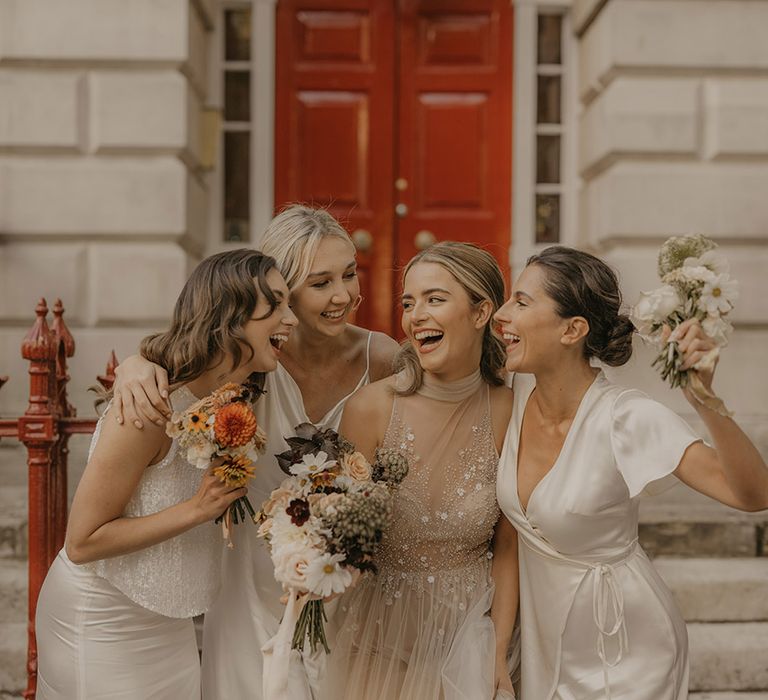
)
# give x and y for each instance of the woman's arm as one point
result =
(97, 528)
(365, 417)
(140, 392)
(733, 472)
(505, 573)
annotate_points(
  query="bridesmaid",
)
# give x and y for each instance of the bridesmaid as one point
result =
(114, 613)
(578, 453)
(325, 361)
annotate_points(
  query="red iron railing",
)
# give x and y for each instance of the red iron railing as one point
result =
(44, 429)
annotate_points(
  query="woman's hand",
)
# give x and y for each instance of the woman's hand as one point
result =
(695, 345)
(213, 496)
(503, 681)
(140, 392)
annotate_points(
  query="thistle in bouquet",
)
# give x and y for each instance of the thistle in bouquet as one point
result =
(223, 427)
(324, 522)
(696, 285)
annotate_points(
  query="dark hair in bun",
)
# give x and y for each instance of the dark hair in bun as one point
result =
(582, 285)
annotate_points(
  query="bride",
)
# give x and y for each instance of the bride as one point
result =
(420, 629)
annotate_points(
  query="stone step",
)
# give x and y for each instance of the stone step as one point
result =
(13, 657)
(718, 590)
(683, 523)
(13, 522)
(13, 591)
(729, 656)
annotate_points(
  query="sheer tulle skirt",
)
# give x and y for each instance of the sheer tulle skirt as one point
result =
(94, 643)
(414, 636)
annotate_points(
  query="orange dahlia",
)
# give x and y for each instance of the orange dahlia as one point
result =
(235, 425)
(235, 472)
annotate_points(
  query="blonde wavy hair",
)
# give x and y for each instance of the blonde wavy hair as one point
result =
(214, 305)
(293, 237)
(478, 273)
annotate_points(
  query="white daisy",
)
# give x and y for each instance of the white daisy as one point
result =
(325, 575)
(312, 464)
(717, 296)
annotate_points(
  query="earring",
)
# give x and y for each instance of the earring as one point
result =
(356, 303)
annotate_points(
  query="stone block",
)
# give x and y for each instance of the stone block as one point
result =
(140, 30)
(13, 523)
(139, 109)
(136, 196)
(636, 265)
(197, 66)
(40, 108)
(584, 11)
(13, 591)
(30, 271)
(736, 117)
(699, 539)
(660, 199)
(728, 656)
(640, 116)
(135, 283)
(699, 35)
(718, 590)
(13, 657)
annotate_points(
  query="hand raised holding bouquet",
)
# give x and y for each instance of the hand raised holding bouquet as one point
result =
(686, 318)
(220, 432)
(325, 521)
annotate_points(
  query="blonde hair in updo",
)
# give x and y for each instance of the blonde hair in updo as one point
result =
(293, 237)
(478, 273)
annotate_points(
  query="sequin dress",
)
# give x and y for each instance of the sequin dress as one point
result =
(420, 629)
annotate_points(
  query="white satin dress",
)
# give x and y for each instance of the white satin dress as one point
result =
(597, 621)
(121, 628)
(247, 612)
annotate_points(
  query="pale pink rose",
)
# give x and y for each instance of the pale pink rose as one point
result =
(329, 504)
(291, 564)
(356, 466)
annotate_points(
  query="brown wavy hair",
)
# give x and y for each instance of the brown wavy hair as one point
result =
(214, 305)
(478, 273)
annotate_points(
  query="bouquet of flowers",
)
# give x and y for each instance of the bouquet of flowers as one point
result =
(696, 284)
(223, 425)
(324, 522)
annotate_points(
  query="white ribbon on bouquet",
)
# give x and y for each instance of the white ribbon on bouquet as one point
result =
(277, 653)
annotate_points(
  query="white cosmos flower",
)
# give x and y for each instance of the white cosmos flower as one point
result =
(312, 464)
(712, 260)
(200, 454)
(325, 575)
(717, 296)
(696, 273)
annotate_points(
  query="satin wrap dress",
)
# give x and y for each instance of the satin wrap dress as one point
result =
(596, 619)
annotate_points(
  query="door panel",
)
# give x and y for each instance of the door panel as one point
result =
(333, 128)
(454, 135)
(397, 102)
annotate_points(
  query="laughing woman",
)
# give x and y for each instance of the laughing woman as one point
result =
(141, 558)
(596, 619)
(325, 361)
(422, 628)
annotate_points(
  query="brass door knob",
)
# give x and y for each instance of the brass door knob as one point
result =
(424, 239)
(362, 239)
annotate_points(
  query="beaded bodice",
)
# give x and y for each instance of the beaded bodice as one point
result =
(445, 510)
(180, 576)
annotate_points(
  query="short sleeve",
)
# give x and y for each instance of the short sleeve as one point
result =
(649, 441)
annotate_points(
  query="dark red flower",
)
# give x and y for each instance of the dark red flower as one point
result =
(298, 509)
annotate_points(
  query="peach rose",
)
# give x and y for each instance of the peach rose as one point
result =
(280, 498)
(355, 465)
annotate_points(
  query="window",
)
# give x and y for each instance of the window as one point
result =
(549, 126)
(236, 125)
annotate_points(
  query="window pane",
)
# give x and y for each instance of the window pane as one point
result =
(237, 168)
(237, 96)
(237, 35)
(547, 218)
(549, 34)
(548, 100)
(548, 159)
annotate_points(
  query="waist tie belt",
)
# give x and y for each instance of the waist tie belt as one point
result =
(607, 598)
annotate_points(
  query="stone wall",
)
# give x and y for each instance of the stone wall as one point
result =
(673, 139)
(102, 200)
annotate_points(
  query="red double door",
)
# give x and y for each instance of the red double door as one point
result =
(396, 114)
